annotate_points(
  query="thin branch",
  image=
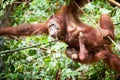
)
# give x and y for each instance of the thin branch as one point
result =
(86, 14)
(114, 2)
(23, 48)
(113, 42)
(19, 2)
(116, 23)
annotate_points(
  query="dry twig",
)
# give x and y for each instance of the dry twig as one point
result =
(114, 2)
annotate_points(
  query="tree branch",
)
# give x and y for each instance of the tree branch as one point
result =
(114, 2)
(19, 49)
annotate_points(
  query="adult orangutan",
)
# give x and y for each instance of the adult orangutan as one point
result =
(86, 44)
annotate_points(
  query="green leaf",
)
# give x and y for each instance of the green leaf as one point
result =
(32, 52)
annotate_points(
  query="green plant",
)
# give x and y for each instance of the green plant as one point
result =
(46, 60)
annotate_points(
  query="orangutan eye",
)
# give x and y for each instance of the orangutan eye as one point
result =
(51, 25)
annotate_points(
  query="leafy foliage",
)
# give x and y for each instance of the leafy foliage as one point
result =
(48, 59)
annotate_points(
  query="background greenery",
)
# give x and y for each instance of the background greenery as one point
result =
(48, 59)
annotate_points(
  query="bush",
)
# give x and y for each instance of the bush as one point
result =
(48, 61)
